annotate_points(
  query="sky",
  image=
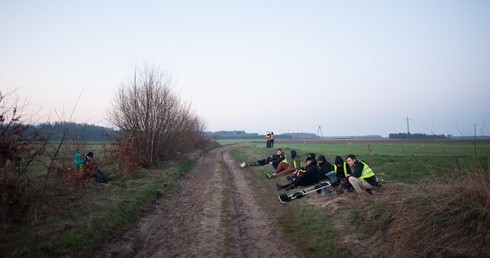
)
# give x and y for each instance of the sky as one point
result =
(335, 68)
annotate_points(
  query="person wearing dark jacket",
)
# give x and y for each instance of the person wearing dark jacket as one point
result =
(260, 162)
(311, 175)
(280, 164)
(325, 167)
(293, 165)
(362, 177)
(342, 170)
(278, 159)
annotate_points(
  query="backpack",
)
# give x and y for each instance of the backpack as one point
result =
(100, 177)
(78, 161)
(345, 186)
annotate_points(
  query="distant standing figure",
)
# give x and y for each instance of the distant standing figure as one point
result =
(268, 138)
(272, 139)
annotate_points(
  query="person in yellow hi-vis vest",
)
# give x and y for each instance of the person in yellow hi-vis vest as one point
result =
(288, 168)
(280, 164)
(362, 177)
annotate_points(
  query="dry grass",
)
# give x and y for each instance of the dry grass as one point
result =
(437, 219)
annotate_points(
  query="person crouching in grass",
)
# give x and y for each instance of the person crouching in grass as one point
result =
(362, 177)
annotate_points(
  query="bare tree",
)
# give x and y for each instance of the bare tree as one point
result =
(146, 108)
(19, 146)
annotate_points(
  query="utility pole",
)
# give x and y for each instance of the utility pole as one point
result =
(408, 128)
(320, 132)
(474, 128)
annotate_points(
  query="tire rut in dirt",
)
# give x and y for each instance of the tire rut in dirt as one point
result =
(174, 228)
(254, 236)
(214, 215)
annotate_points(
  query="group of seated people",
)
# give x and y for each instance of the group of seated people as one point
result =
(353, 174)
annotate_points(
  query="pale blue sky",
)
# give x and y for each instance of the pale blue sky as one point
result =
(351, 67)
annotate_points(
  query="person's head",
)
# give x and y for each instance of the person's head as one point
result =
(311, 155)
(351, 159)
(294, 154)
(90, 154)
(309, 160)
(279, 152)
(339, 161)
(321, 159)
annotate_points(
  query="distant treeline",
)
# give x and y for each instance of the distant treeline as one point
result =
(223, 135)
(74, 131)
(417, 136)
(219, 135)
(88, 132)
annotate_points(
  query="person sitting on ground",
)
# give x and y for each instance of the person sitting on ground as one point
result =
(342, 172)
(280, 157)
(292, 166)
(260, 162)
(311, 175)
(298, 172)
(326, 169)
(362, 177)
(99, 176)
(89, 158)
(295, 162)
(78, 160)
(81, 162)
(280, 165)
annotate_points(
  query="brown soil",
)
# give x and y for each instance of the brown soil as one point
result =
(216, 214)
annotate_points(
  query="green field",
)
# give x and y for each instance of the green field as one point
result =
(432, 190)
(395, 160)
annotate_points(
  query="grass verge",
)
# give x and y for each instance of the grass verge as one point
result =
(440, 210)
(74, 220)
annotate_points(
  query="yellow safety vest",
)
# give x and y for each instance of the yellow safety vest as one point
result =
(345, 168)
(285, 160)
(366, 171)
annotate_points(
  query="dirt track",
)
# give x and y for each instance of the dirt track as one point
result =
(215, 215)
